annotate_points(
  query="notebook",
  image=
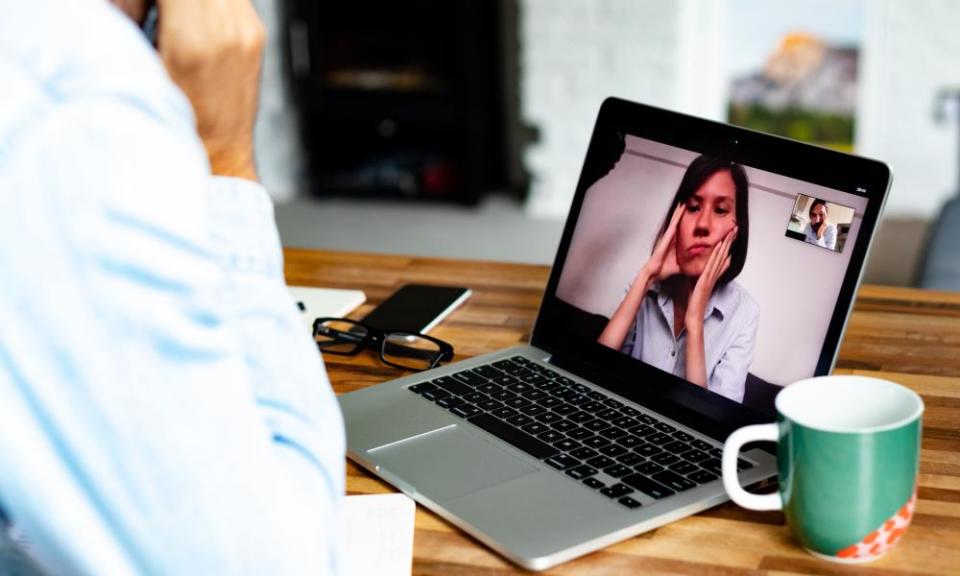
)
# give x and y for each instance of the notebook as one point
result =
(325, 302)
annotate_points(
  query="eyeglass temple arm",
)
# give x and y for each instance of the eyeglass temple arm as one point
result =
(345, 336)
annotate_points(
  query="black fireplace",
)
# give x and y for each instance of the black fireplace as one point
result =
(411, 98)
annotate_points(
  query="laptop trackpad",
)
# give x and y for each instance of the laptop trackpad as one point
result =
(450, 462)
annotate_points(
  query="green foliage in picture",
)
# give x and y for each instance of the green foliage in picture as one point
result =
(826, 129)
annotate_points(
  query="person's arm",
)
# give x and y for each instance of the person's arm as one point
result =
(695, 368)
(661, 264)
(172, 415)
(213, 51)
(830, 237)
(717, 264)
(615, 332)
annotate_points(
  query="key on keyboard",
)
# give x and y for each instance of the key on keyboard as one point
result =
(647, 486)
(511, 435)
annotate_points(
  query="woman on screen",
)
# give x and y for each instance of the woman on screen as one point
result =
(684, 313)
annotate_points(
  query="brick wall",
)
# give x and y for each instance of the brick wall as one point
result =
(575, 53)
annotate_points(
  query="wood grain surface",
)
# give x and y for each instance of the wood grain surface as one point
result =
(905, 335)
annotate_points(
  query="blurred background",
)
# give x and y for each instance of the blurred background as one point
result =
(458, 127)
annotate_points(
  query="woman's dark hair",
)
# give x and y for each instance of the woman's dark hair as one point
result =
(816, 202)
(698, 172)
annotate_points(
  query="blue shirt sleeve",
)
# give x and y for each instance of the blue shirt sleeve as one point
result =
(164, 409)
(830, 237)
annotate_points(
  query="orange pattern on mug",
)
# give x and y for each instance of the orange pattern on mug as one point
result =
(882, 539)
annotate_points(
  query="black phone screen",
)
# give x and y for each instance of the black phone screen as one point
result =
(416, 308)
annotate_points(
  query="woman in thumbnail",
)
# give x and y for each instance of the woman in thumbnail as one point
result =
(684, 313)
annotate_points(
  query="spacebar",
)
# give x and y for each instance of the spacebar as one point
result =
(508, 433)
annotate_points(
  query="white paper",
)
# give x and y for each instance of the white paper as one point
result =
(376, 535)
(325, 302)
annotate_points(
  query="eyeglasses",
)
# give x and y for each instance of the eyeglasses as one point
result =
(407, 350)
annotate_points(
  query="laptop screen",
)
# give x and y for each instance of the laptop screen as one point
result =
(717, 272)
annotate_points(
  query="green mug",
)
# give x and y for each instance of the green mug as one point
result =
(848, 456)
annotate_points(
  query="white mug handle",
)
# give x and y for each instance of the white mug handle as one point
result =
(731, 480)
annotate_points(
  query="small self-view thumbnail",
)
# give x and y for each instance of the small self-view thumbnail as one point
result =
(819, 222)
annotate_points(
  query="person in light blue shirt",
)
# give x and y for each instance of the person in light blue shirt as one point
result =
(684, 313)
(819, 230)
(163, 410)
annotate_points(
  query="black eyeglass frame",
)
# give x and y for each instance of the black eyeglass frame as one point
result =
(377, 339)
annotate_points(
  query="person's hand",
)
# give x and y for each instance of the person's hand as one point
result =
(821, 229)
(716, 265)
(663, 261)
(213, 50)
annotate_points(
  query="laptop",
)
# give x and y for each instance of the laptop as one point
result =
(702, 268)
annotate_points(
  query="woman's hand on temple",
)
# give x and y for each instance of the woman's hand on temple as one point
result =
(662, 264)
(715, 267)
(663, 261)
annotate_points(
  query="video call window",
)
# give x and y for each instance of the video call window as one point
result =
(821, 223)
(668, 230)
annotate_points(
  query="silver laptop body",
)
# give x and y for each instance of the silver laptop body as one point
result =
(523, 508)
(518, 496)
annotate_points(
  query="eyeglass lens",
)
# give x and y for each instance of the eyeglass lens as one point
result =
(339, 336)
(410, 351)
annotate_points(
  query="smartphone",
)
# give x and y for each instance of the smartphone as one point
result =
(416, 308)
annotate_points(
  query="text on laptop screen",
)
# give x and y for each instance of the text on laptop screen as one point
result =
(713, 271)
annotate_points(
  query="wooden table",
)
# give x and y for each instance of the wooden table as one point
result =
(905, 335)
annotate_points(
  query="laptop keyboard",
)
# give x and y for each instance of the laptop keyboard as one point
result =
(592, 438)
